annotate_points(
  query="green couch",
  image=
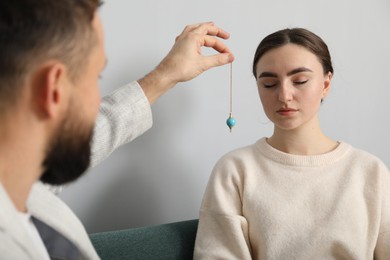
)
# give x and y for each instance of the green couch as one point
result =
(168, 241)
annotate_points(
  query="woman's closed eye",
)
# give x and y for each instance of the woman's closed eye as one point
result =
(300, 82)
(268, 83)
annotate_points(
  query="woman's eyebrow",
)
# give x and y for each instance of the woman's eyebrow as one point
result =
(267, 74)
(298, 70)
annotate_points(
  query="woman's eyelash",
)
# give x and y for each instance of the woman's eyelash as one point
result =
(269, 85)
(301, 82)
(295, 82)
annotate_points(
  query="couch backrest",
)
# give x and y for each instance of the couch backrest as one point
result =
(168, 241)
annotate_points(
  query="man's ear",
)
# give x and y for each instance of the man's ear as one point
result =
(51, 88)
(327, 80)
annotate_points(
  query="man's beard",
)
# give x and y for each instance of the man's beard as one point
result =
(69, 154)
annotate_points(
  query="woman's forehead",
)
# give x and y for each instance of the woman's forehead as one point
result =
(288, 57)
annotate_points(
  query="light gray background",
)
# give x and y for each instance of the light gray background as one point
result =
(161, 176)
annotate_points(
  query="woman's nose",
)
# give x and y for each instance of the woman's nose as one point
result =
(285, 93)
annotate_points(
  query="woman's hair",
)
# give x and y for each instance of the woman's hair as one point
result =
(298, 36)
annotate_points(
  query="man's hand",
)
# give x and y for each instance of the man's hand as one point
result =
(185, 60)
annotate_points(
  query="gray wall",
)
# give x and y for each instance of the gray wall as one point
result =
(161, 176)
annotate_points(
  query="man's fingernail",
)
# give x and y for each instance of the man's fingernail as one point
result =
(230, 57)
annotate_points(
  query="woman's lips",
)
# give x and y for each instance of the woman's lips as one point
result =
(286, 111)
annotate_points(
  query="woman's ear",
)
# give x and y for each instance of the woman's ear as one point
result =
(327, 80)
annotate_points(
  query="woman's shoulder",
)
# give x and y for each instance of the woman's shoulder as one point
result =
(364, 157)
(242, 152)
(361, 153)
(239, 157)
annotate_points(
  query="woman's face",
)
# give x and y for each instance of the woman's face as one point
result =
(291, 84)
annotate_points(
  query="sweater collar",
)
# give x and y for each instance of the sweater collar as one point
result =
(302, 160)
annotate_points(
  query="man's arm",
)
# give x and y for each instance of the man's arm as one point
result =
(126, 114)
(123, 116)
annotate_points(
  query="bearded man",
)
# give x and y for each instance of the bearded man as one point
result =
(51, 55)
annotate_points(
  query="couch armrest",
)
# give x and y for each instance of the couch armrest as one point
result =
(168, 241)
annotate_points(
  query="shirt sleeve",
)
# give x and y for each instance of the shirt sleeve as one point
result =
(223, 230)
(124, 115)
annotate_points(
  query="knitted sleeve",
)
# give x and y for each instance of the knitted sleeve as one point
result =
(223, 230)
(124, 115)
(382, 249)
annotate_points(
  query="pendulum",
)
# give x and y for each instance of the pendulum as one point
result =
(231, 121)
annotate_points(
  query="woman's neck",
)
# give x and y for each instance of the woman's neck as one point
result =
(306, 140)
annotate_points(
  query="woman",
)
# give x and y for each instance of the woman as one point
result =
(297, 194)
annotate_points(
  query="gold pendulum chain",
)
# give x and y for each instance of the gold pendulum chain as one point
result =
(231, 121)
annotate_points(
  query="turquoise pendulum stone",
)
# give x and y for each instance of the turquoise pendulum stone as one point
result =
(231, 121)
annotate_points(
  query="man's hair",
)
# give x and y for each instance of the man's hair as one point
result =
(32, 31)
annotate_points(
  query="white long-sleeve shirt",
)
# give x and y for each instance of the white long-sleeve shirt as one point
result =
(261, 203)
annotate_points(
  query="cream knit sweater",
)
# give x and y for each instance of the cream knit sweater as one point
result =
(261, 203)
